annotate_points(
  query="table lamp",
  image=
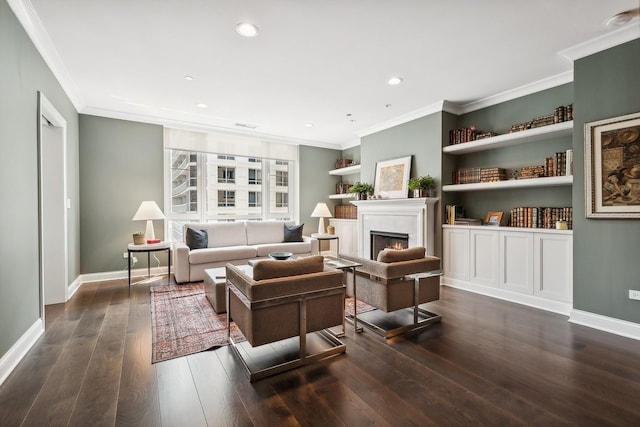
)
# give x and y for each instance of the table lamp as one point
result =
(321, 211)
(148, 211)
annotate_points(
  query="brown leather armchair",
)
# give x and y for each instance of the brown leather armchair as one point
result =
(281, 300)
(397, 280)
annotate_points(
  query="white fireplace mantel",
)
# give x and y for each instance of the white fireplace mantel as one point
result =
(415, 217)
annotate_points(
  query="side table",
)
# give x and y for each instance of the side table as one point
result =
(321, 237)
(346, 265)
(148, 248)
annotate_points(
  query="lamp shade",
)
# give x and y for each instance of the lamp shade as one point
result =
(148, 211)
(321, 211)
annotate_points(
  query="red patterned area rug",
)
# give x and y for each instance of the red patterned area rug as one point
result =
(183, 321)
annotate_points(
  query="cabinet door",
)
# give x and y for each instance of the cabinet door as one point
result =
(456, 253)
(347, 232)
(484, 257)
(553, 266)
(516, 261)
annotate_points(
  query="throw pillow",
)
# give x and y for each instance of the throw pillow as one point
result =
(293, 233)
(396, 255)
(270, 269)
(197, 239)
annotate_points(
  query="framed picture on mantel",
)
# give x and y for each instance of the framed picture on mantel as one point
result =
(392, 178)
(612, 167)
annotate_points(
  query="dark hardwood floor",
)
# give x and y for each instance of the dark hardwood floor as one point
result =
(489, 363)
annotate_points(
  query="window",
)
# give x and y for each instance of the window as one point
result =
(226, 174)
(202, 187)
(255, 199)
(282, 178)
(223, 157)
(255, 176)
(253, 160)
(282, 200)
(226, 198)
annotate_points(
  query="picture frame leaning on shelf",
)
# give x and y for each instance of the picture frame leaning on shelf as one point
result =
(612, 167)
(493, 218)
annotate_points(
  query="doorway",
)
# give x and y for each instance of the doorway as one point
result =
(53, 204)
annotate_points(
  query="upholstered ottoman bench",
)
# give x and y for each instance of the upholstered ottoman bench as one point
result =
(215, 288)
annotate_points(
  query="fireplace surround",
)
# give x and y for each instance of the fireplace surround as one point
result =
(414, 217)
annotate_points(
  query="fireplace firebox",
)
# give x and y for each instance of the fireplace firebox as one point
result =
(386, 239)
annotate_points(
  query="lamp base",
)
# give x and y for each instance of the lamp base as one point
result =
(149, 234)
(321, 229)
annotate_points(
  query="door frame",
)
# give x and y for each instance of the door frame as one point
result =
(48, 115)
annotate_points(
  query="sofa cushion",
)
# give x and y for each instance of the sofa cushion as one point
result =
(293, 233)
(228, 253)
(295, 248)
(196, 239)
(264, 232)
(224, 233)
(396, 255)
(269, 269)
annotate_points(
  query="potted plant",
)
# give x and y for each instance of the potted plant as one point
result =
(422, 186)
(138, 238)
(361, 190)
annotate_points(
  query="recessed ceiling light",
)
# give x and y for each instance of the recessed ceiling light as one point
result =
(308, 125)
(246, 29)
(202, 105)
(395, 80)
(620, 19)
(188, 78)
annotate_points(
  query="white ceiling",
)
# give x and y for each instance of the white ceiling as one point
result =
(314, 61)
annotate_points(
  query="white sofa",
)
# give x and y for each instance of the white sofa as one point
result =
(235, 243)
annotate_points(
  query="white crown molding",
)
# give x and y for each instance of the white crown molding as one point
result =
(508, 95)
(194, 126)
(30, 21)
(605, 323)
(606, 41)
(350, 144)
(16, 353)
(416, 114)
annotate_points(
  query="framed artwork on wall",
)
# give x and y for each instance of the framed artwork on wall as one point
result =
(392, 178)
(612, 167)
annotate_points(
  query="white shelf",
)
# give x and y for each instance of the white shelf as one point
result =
(497, 228)
(349, 170)
(341, 196)
(551, 181)
(510, 139)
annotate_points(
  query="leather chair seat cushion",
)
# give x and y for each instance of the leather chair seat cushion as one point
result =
(271, 269)
(227, 253)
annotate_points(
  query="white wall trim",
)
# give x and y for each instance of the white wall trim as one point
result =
(563, 308)
(73, 287)
(16, 353)
(604, 323)
(34, 28)
(508, 95)
(120, 274)
(606, 41)
(412, 115)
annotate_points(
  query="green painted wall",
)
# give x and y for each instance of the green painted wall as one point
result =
(421, 139)
(22, 74)
(315, 183)
(605, 251)
(499, 118)
(121, 164)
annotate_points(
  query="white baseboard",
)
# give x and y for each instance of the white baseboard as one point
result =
(120, 274)
(530, 300)
(11, 358)
(605, 323)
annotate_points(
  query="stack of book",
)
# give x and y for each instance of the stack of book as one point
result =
(560, 164)
(458, 136)
(535, 217)
(453, 213)
(532, 172)
(475, 175)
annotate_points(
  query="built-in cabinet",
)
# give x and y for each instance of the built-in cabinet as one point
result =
(347, 232)
(528, 266)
